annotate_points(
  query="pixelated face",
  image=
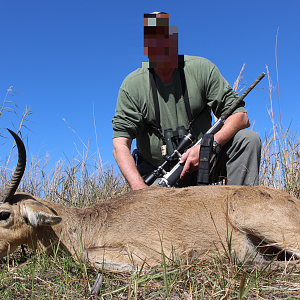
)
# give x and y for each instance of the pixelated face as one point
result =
(160, 46)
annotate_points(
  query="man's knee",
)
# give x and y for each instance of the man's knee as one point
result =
(250, 138)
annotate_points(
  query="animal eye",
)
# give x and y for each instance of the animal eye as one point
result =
(4, 215)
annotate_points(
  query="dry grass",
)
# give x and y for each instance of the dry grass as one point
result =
(280, 162)
(75, 182)
(59, 277)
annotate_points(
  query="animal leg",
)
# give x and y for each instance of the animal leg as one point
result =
(113, 258)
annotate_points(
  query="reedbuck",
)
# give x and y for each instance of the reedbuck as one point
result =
(134, 228)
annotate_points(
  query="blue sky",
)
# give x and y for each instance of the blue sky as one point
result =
(67, 59)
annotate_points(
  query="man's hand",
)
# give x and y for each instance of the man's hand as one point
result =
(125, 161)
(191, 160)
(232, 125)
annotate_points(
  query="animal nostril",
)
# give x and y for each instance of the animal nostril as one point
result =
(4, 215)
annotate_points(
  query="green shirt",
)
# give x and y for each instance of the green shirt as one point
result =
(135, 113)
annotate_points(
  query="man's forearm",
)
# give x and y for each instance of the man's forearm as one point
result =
(232, 125)
(125, 161)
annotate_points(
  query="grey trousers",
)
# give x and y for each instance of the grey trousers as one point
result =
(239, 160)
(237, 163)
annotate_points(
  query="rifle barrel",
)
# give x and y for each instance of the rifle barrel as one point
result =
(234, 105)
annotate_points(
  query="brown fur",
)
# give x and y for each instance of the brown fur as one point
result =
(135, 226)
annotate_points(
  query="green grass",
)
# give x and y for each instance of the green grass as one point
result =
(42, 277)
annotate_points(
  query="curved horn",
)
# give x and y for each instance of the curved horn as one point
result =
(14, 182)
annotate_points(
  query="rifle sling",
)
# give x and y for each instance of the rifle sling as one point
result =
(204, 159)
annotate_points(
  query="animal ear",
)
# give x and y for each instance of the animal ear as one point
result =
(38, 214)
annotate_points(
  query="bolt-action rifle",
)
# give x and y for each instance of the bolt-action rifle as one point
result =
(170, 178)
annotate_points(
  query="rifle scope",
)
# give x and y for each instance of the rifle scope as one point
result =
(184, 143)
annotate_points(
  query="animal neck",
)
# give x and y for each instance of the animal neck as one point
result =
(78, 229)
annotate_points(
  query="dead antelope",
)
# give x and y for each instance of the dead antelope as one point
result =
(136, 226)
